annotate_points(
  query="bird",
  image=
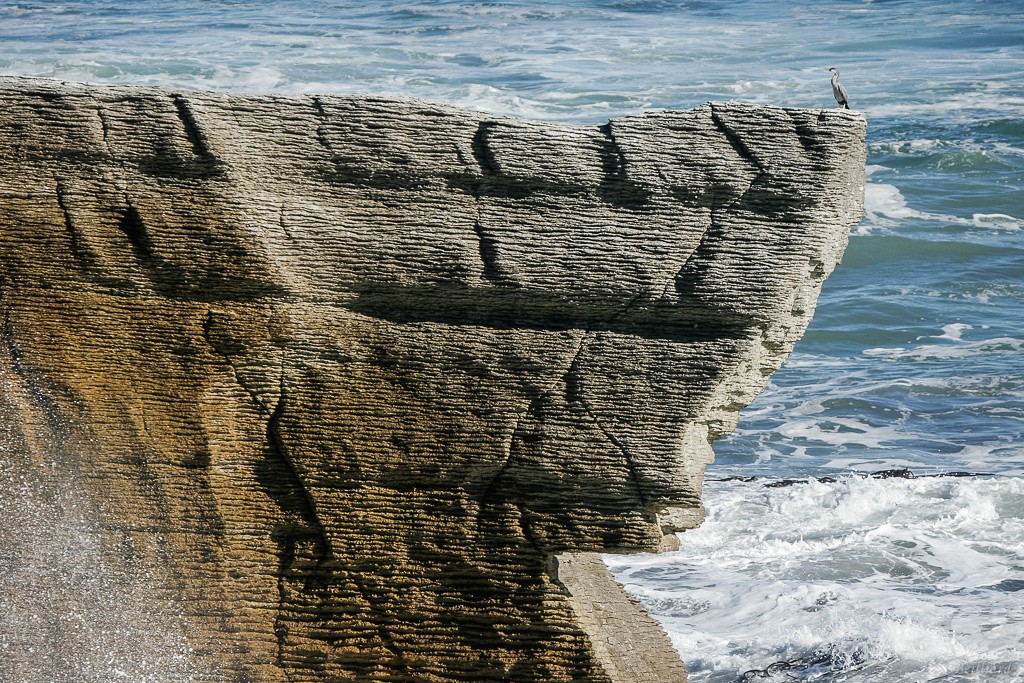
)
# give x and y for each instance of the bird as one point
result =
(838, 90)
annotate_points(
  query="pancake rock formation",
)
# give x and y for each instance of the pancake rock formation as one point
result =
(356, 388)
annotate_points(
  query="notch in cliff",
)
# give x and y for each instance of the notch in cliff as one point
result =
(350, 373)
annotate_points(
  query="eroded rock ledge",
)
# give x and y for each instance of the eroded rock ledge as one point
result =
(345, 374)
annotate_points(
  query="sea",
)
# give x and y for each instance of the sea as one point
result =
(865, 522)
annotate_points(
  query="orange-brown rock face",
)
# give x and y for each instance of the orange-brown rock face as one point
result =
(334, 380)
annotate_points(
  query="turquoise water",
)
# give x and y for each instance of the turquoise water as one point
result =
(913, 360)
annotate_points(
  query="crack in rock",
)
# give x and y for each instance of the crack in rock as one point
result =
(193, 131)
(79, 250)
(321, 130)
(616, 187)
(742, 150)
(488, 245)
(575, 394)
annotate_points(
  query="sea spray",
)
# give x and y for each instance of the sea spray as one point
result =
(77, 606)
(74, 610)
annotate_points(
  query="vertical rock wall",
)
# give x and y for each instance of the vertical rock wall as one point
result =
(341, 376)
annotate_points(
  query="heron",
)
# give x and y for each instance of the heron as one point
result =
(838, 90)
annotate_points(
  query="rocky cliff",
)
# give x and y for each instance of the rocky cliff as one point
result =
(356, 384)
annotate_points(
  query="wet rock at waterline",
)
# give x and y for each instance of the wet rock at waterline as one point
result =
(357, 383)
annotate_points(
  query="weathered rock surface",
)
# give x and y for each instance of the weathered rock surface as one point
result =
(345, 374)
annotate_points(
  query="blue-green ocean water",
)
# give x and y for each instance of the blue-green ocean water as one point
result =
(913, 360)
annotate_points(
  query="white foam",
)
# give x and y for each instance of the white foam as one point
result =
(885, 206)
(884, 202)
(984, 347)
(896, 578)
(838, 431)
(964, 104)
(997, 221)
(874, 168)
(954, 331)
(985, 296)
(1006, 148)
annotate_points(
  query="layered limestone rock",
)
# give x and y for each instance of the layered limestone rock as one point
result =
(358, 383)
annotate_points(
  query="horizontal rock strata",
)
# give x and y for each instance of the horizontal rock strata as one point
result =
(342, 376)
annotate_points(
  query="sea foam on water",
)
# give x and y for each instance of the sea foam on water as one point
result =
(885, 575)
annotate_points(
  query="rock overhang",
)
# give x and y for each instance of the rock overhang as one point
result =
(395, 355)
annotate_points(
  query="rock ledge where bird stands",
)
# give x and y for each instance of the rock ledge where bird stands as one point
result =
(362, 385)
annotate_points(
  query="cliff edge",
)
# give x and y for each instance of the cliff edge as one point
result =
(359, 384)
